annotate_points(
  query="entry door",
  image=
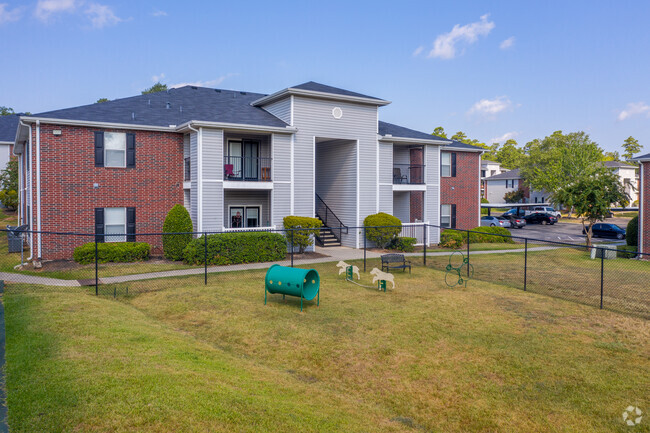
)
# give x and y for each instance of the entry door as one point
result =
(251, 161)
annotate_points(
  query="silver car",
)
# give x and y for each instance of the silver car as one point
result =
(492, 221)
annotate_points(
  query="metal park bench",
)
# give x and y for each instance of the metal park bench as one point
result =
(395, 261)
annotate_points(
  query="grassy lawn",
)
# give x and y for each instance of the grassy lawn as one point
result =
(186, 357)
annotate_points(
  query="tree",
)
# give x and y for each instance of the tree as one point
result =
(631, 147)
(6, 111)
(611, 156)
(158, 87)
(460, 136)
(440, 132)
(592, 196)
(559, 160)
(100, 100)
(510, 155)
(9, 185)
(514, 196)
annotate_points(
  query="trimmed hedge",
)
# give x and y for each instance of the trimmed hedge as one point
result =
(233, 248)
(452, 239)
(626, 252)
(382, 236)
(632, 232)
(405, 244)
(177, 221)
(302, 238)
(119, 252)
(485, 235)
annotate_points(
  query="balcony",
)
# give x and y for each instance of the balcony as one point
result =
(408, 174)
(246, 169)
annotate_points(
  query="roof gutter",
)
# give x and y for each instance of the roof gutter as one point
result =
(406, 140)
(464, 149)
(242, 127)
(31, 119)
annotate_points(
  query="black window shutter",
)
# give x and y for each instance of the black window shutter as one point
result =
(130, 224)
(453, 216)
(453, 164)
(130, 150)
(99, 149)
(99, 224)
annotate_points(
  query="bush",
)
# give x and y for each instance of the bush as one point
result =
(514, 196)
(632, 232)
(302, 238)
(177, 221)
(484, 211)
(9, 198)
(452, 239)
(233, 248)
(486, 235)
(404, 244)
(626, 252)
(122, 252)
(383, 235)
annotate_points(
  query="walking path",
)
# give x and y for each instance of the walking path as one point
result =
(333, 254)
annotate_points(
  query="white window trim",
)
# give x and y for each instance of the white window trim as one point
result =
(259, 217)
(442, 215)
(105, 149)
(108, 236)
(442, 164)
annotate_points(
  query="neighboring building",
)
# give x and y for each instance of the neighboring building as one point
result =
(8, 126)
(498, 185)
(644, 203)
(628, 176)
(488, 169)
(460, 185)
(236, 160)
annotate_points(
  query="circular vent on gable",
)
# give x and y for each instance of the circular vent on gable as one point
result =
(337, 112)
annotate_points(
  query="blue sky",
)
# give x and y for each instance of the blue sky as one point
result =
(491, 69)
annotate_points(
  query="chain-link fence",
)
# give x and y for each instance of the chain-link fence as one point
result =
(604, 276)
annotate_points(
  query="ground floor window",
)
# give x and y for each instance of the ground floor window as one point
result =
(244, 216)
(448, 215)
(115, 224)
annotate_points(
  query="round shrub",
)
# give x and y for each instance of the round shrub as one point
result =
(177, 221)
(387, 228)
(404, 244)
(452, 239)
(632, 232)
(302, 238)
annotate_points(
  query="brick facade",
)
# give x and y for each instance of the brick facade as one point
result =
(645, 210)
(463, 189)
(68, 176)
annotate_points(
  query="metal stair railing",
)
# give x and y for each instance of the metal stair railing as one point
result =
(330, 220)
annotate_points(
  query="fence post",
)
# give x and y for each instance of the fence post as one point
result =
(602, 275)
(96, 270)
(292, 247)
(364, 249)
(424, 230)
(468, 252)
(525, 262)
(205, 258)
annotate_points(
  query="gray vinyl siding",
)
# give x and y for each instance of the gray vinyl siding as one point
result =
(281, 109)
(248, 198)
(385, 166)
(336, 184)
(212, 190)
(187, 198)
(402, 205)
(386, 199)
(212, 154)
(281, 168)
(281, 203)
(313, 118)
(212, 199)
(431, 196)
(194, 190)
(401, 155)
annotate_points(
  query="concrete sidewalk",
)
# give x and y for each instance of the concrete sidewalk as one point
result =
(334, 254)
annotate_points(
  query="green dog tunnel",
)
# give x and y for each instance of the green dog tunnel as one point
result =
(302, 283)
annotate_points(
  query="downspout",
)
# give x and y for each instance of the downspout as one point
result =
(38, 186)
(31, 208)
(199, 197)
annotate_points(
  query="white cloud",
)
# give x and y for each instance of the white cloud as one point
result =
(158, 13)
(418, 51)
(503, 138)
(508, 43)
(101, 16)
(444, 46)
(7, 15)
(491, 107)
(208, 83)
(45, 8)
(634, 108)
(158, 78)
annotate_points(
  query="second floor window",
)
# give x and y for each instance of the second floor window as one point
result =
(448, 164)
(114, 149)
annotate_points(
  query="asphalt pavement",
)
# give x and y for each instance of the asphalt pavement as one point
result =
(570, 232)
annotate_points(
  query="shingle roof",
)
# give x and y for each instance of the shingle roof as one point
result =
(175, 107)
(317, 87)
(512, 174)
(8, 126)
(462, 145)
(617, 164)
(642, 157)
(400, 131)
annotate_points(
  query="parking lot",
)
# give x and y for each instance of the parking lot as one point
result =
(570, 232)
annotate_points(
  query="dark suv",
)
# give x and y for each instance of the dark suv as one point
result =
(541, 218)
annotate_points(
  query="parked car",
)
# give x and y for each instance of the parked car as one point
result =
(515, 221)
(540, 218)
(547, 209)
(606, 230)
(492, 221)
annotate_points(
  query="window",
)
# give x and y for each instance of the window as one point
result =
(115, 224)
(188, 169)
(244, 216)
(114, 149)
(448, 215)
(448, 164)
(482, 173)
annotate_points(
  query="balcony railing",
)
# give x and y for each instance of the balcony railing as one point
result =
(411, 174)
(244, 168)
